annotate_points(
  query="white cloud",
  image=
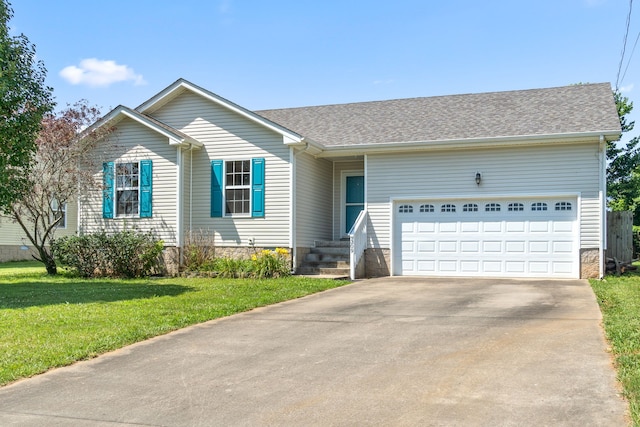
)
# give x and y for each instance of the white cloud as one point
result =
(100, 73)
(627, 88)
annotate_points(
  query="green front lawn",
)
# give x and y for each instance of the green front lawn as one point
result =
(54, 321)
(619, 299)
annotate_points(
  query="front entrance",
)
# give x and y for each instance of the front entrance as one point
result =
(353, 199)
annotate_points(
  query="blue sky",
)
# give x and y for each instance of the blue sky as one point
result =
(286, 53)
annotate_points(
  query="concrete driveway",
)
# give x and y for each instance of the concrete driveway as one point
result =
(390, 351)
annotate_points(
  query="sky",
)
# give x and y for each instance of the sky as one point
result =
(289, 53)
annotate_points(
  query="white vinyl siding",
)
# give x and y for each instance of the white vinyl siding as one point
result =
(12, 234)
(313, 200)
(229, 136)
(522, 171)
(338, 205)
(134, 142)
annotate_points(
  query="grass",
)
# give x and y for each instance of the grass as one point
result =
(47, 322)
(619, 299)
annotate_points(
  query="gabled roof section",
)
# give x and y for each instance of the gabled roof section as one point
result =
(577, 110)
(175, 136)
(182, 85)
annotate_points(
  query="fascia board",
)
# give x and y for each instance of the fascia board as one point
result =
(359, 149)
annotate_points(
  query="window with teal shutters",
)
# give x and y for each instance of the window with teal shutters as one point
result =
(233, 184)
(107, 189)
(146, 188)
(216, 188)
(257, 188)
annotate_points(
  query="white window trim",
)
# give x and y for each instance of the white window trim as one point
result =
(236, 187)
(63, 224)
(117, 188)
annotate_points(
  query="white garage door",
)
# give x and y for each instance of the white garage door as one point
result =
(491, 238)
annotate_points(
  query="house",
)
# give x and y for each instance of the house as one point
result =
(503, 184)
(14, 244)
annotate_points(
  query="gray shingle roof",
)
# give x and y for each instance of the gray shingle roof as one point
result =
(560, 110)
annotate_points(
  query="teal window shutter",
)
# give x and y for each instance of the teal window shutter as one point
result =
(216, 188)
(108, 170)
(146, 188)
(257, 188)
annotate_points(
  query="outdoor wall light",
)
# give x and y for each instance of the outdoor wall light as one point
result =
(478, 178)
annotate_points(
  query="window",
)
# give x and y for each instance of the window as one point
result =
(448, 208)
(539, 206)
(426, 208)
(127, 189)
(470, 207)
(405, 209)
(237, 193)
(563, 206)
(515, 207)
(237, 188)
(59, 212)
(492, 207)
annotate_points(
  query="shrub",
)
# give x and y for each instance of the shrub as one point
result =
(263, 264)
(126, 253)
(269, 263)
(199, 250)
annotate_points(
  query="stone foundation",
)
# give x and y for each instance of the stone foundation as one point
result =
(589, 263)
(300, 255)
(15, 253)
(377, 262)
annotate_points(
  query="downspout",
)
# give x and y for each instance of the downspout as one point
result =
(191, 188)
(179, 202)
(603, 204)
(292, 213)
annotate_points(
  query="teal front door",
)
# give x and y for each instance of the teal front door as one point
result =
(354, 200)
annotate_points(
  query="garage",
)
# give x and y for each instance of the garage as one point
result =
(492, 237)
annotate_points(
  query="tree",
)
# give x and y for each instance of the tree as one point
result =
(63, 168)
(623, 175)
(24, 100)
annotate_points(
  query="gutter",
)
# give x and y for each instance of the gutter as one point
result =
(452, 144)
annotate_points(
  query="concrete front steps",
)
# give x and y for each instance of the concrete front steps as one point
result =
(327, 258)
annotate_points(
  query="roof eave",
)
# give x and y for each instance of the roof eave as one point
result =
(453, 144)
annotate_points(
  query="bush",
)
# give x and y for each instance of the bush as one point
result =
(126, 253)
(199, 250)
(262, 265)
(271, 263)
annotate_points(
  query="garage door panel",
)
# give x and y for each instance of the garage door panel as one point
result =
(491, 226)
(513, 247)
(492, 266)
(426, 227)
(448, 227)
(515, 267)
(533, 239)
(563, 247)
(447, 266)
(470, 246)
(427, 246)
(408, 246)
(470, 266)
(562, 226)
(561, 267)
(539, 226)
(448, 246)
(492, 246)
(539, 267)
(515, 227)
(470, 227)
